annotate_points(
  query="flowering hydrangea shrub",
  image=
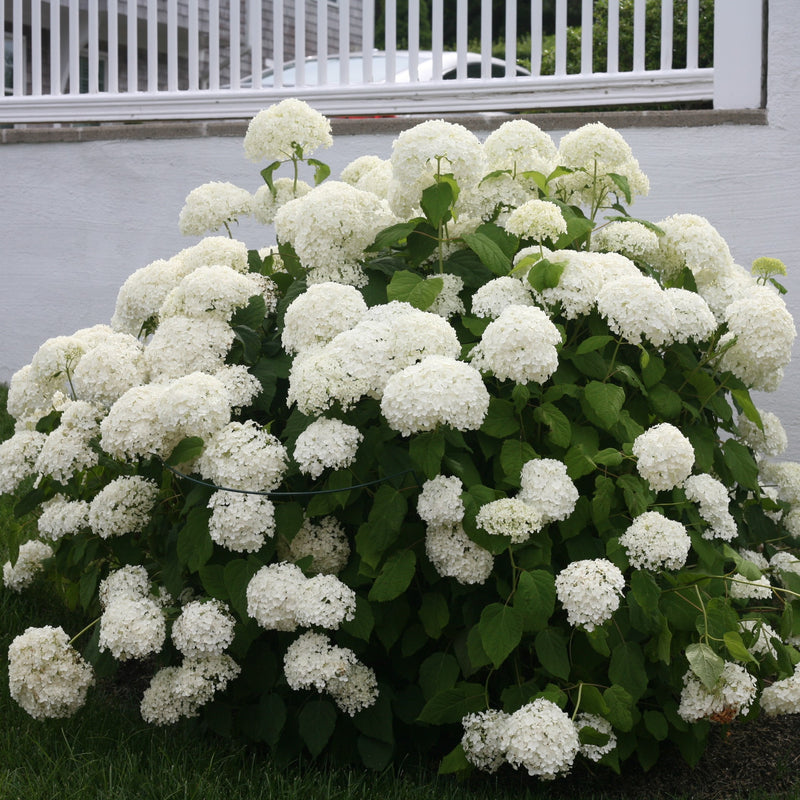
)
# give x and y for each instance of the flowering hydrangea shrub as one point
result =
(466, 462)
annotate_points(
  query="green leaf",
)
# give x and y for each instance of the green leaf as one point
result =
(454, 761)
(620, 707)
(252, 315)
(363, 622)
(501, 419)
(212, 576)
(434, 614)
(593, 343)
(194, 541)
(395, 576)
(741, 464)
(656, 724)
(186, 450)
(436, 203)
(426, 451)
(589, 735)
(622, 184)
(321, 172)
(735, 646)
(383, 525)
(638, 496)
(605, 400)
(375, 754)
(394, 235)
(743, 400)
(558, 424)
(238, 573)
(577, 228)
(545, 274)
(250, 343)
(316, 722)
(501, 631)
(452, 705)
(664, 402)
(551, 649)
(490, 253)
(266, 174)
(438, 673)
(514, 454)
(535, 599)
(411, 288)
(627, 668)
(705, 664)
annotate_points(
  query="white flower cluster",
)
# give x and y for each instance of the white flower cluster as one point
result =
(431, 148)
(440, 502)
(68, 449)
(784, 561)
(61, 517)
(132, 624)
(177, 692)
(330, 228)
(665, 456)
(319, 314)
(122, 506)
(454, 555)
(546, 487)
(27, 566)
(214, 291)
(631, 239)
(204, 628)
(312, 662)
(242, 387)
(326, 444)
(447, 302)
(491, 299)
(46, 675)
(274, 132)
(712, 496)
(654, 542)
(243, 455)
(785, 475)
(594, 752)
(520, 146)
(538, 220)
(280, 597)
(741, 588)
(638, 308)
(212, 205)
(733, 694)
(594, 152)
(360, 361)
(266, 204)
(764, 634)
(760, 334)
(324, 541)
(437, 391)
(519, 345)
(240, 521)
(694, 319)
(771, 441)
(510, 517)
(581, 280)
(590, 591)
(782, 697)
(18, 456)
(691, 241)
(538, 737)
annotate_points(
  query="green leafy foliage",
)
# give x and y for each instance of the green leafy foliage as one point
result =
(424, 572)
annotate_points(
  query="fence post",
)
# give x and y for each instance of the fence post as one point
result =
(738, 33)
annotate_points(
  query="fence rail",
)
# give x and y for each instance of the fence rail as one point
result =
(117, 60)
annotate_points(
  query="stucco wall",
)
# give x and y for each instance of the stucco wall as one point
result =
(78, 217)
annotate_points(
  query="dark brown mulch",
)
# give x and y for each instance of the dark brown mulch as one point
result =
(758, 759)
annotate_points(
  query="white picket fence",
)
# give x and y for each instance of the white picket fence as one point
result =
(126, 60)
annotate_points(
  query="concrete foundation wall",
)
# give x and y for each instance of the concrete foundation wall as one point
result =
(80, 216)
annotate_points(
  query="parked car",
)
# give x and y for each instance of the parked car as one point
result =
(402, 68)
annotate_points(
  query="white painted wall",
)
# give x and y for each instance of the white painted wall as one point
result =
(79, 217)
